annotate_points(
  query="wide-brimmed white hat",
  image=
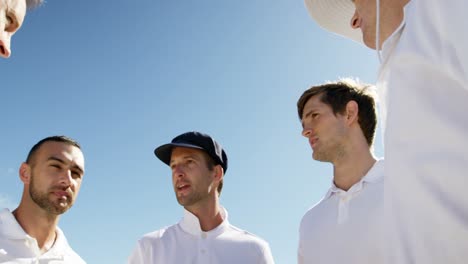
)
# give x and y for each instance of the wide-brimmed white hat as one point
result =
(335, 16)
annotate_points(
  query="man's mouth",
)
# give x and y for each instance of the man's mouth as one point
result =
(62, 195)
(182, 187)
(313, 141)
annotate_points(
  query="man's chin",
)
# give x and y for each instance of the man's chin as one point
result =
(369, 42)
(59, 208)
(61, 211)
(318, 157)
(185, 201)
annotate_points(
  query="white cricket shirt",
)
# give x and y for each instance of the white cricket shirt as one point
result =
(18, 247)
(185, 243)
(424, 83)
(346, 226)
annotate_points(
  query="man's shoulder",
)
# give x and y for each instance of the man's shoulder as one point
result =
(159, 234)
(5, 216)
(319, 211)
(245, 242)
(72, 257)
(236, 233)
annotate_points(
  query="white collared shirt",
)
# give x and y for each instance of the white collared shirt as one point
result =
(424, 83)
(346, 226)
(18, 247)
(185, 243)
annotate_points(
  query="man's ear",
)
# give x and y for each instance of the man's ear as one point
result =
(352, 110)
(219, 172)
(25, 173)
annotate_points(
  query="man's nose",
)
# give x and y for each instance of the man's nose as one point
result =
(66, 177)
(306, 132)
(177, 171)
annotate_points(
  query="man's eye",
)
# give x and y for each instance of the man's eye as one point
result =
(76, 175)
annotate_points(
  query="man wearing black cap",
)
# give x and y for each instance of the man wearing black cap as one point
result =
(204, 235)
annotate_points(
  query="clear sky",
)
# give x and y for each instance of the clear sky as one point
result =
(125, 76)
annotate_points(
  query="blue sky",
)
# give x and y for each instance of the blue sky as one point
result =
(125, 76)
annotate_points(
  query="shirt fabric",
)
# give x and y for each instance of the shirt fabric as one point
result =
(18, 247)
(423, 80)
(185, 243)
(346, 226)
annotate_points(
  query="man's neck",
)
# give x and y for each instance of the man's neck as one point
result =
(391, 18)
(38, 224)
(209, 215)
(352, 168)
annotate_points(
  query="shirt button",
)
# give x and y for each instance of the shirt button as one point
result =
(203, 235)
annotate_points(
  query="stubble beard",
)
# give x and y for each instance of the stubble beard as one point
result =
(191, 199)
(42, 200)
(194, 197)
(329, 152)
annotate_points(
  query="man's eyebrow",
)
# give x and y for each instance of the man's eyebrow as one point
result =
(308, 113)
(188, 156)
(56, 159)
(63, 162)
(76, 167)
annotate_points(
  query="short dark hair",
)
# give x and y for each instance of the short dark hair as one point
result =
(63, 139)
(30, 4)
(338, 94)
(210, 164)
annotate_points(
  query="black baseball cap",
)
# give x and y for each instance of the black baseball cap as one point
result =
(196, 140)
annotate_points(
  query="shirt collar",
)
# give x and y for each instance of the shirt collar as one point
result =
(11, 229)
(390, 43)
(60, 245)
(191, 224)
(375, 174)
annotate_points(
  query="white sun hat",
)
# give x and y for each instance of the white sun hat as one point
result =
(335, 16)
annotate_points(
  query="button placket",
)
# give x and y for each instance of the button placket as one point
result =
(343, 207)
(203, 245)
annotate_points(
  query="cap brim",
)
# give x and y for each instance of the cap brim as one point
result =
(335, 16)
(164, 152)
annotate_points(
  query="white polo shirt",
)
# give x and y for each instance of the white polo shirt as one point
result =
(346, 226)
(18, 247)
(424, 83)
(185, 243)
